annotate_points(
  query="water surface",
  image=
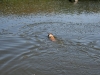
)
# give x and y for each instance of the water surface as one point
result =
(26, 50)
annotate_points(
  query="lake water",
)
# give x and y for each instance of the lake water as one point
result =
(26, 50)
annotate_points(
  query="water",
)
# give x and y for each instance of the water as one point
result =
(26, 50)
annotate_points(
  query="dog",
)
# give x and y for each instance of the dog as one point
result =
(51, 37)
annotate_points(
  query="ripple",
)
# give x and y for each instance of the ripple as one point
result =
(27, 50)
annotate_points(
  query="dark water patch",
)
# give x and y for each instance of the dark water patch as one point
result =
(30, 56)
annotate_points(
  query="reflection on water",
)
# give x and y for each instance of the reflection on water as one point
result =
(26, 50)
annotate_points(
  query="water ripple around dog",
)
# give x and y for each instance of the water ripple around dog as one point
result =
(31, 52)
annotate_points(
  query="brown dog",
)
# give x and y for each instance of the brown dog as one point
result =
(51, 37)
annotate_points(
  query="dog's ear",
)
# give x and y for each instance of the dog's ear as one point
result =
(48, 35)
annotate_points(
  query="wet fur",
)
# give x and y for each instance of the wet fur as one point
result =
(51, 37)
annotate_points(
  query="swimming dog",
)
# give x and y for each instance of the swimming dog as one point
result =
(51, 37)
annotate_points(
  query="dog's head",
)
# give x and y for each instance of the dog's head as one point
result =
(50, 35)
